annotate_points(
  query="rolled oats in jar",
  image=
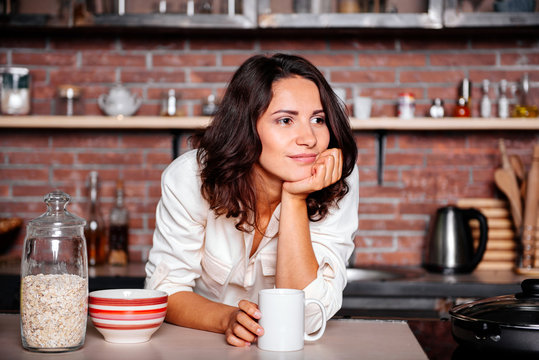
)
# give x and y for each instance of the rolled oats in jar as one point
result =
(54, 280)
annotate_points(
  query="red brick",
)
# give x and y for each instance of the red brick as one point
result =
(134, 189)
(109, 158)
(391, 224)
(34, 174)
(4, 190)
(82, 43)
(414, 243)
(23, 139)
(520, 59)
(463, 59)
(3, 58)
(41, 157)
(41, 190)
(154, 191)
(323, 59)
(26, 209)
(362, 44)
(85, 139)
(408, 208)
(152, 76)
(434, 43)
(373, 242)
(143, 174)
(146, 141)
(45, 59)
(366, 160)
(149, 110)
(222, 44)
(377, 208)
(43, 92)
(385, 258)
(452, 76)
(211, 76)
(158, 159)
(140, 238)
(381, 192)
(41, 108)
(360, 76)
(235, 60)
(456, 159)
(501, 42)
(393, 60)
(367, 174)
(294, 44)
(76, 175)
(148, 43)
(390, 176)
(184, 60)
(443, 93)
(400, 159)
(495, 75)
(438, 141)
(22, 41)
(82, 76)
(100, 58)
(181, 94)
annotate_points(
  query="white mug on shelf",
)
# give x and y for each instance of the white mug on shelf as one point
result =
(362, 107)
(283, 319)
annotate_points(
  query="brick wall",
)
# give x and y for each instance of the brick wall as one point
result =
(423, 170)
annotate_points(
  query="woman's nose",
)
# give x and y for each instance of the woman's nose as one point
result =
(306, 136)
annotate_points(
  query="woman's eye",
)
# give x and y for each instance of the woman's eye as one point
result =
(284, 121)
(318, 120)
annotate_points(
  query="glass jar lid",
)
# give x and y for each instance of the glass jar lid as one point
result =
(520, 310)
(56, 214)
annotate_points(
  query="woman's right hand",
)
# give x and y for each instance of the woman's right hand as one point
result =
(243, 327)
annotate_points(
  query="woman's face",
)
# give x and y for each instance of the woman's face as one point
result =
(293, 131)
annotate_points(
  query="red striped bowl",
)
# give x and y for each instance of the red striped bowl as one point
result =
(127, 315)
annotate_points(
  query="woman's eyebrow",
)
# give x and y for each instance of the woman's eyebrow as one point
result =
(292, 112)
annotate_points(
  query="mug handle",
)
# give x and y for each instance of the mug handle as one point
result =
(320, 332)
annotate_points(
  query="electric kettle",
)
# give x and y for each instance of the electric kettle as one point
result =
(450, 247)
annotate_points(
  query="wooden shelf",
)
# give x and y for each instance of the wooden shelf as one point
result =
(199, 122)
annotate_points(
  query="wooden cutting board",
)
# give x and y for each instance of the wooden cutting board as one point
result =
(501, 253)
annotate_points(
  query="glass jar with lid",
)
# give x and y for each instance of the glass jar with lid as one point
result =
(54, 279)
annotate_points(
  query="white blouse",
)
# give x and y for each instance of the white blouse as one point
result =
(193, 250)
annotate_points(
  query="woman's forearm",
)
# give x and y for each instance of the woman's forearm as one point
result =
(296, 263)
(194, 311)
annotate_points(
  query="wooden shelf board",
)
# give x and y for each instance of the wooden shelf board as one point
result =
(200, 122)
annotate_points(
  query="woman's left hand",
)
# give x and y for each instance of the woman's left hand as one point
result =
(326, 170)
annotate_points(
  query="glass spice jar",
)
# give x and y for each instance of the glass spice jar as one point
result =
(54, 279)
(69, 101)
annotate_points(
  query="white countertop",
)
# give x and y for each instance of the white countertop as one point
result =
(344, 339)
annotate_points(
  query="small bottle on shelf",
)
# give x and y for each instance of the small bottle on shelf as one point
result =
(461, 110)
(95, 231)
(119, 229)
(503, 101)
(485, 101)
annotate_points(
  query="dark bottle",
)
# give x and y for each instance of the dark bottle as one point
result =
(94, 231)
(461, 110)
(119, 229)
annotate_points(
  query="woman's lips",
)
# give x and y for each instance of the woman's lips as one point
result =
(304, 158)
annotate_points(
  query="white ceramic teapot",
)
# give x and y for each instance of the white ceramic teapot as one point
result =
(119, 101)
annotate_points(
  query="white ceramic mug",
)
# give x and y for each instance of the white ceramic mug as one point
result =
(362, 107)
(283, 319)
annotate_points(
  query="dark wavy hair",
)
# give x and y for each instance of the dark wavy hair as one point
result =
(230, 146)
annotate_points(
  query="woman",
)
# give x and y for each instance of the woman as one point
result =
(269, 199)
